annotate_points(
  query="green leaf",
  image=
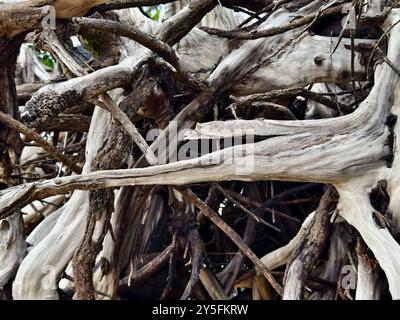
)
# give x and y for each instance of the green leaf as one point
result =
(45, 58)
(153, 12)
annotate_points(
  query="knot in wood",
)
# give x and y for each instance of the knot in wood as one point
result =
(318, 60)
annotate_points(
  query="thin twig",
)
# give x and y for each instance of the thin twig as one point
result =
(207, 211)
(147, 270)
(128, 31)
(171, 269)
(245, 35)
(244, 209)
(284, 93)
(377, 45)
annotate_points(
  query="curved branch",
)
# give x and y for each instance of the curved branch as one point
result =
(124, 30)
(53, 99)
(245, 35)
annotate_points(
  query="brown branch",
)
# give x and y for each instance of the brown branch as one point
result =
(269, 8)
(128, 31)
(256, 204)
(67, 122)
(284, 93)
(101, 205)
(251, 5)
(42, 157)
(231, 271)
(244, 209)
(146, 271)
(171, 268)
(216, 219)
(270, 106)
(32, 135)
(310, 249)
(194, 241)
(246, 35)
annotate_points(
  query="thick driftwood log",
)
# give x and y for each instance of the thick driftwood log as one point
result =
(111, 156)
(171, 25)
(53, 99)
(368, 125)
(356, 153)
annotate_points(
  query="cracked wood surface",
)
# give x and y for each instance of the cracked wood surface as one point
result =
(352, 152)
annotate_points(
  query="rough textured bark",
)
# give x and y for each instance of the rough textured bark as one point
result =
(184, 74)
(310, 249)
(10, 143)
